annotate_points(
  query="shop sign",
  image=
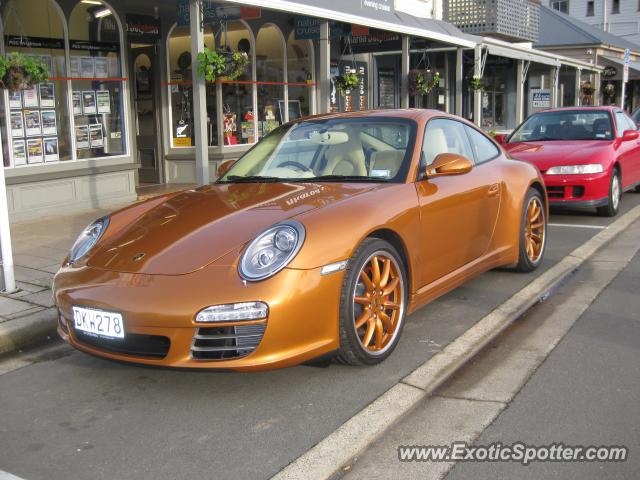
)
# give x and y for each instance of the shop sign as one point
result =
(214, 12)
(376, 41)
(93, 46)
(609, 72)
(34, 42)
(541, 99)
(307, 28)
(378, 5)
(143, 27)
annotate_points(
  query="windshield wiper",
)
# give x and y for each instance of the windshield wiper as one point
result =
(251, 179)
(344, 178)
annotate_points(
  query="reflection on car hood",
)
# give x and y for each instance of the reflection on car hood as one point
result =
(194, 228)
(545, 155)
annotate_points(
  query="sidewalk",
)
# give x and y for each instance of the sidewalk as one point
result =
(39, 246)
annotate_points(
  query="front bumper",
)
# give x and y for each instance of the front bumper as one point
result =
(159, 313)
(577, 191)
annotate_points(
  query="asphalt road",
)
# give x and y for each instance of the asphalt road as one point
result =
(69, 415)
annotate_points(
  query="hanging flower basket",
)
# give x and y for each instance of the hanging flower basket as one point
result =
(420, 83)
(20, 72)
(218, 64)
(347, 82)
(476, 84)
(610, 89)
(588, 89)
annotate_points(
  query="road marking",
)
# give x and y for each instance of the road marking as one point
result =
(7, 476)
(571, 225)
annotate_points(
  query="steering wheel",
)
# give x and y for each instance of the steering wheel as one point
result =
(299, 166)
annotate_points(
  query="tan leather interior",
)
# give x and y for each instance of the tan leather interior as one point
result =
(346, 158)
(435, 144)
(390, 160)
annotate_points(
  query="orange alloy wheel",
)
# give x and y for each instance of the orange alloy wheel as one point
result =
(534, 229)
(378, 302)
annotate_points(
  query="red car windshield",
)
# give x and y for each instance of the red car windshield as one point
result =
(565, 125)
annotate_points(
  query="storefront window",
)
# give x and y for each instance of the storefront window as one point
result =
(181, 90)
(97, 81)
(300, 76)
(270, 79)
(238, 122)
(37, 119)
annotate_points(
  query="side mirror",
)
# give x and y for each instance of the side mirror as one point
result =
(501, 138)
(225, 167)
(629, 135)
(449, 164)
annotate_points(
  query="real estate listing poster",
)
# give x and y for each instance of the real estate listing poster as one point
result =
(34, 150)
(77, 103)
(74, 64)
(49, 126)
(95, 135)
(86, 67)
(89, 102)
(103, 100)
(51, 153)
(15, 99)
(82, 137)
(47, 95)
(17, 125)
(19, 153)
(30, 98)
(33, 125)
(101, 67)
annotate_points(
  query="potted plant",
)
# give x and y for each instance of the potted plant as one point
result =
(347, 81)
(588, 89)
(475, 83)
(19, 72)
(610, 89)
(420, 84)
(217, 64)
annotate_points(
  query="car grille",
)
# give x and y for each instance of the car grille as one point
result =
(223, 343)
(134, 344)
(555, 192)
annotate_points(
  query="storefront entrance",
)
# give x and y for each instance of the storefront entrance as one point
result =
(143, 67)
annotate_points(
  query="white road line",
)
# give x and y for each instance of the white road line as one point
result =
(7, 476)
(572, 225)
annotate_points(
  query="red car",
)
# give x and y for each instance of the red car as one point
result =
(588, 156)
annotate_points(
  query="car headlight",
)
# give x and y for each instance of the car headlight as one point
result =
(88, 238)
(576, 169)
(271, 251)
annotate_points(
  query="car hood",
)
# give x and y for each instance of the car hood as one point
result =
(196, 227)
(545, 155)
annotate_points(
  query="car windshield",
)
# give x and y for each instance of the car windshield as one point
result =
(565, 125)
(338, 149)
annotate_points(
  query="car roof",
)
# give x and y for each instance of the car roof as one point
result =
(607, 108)
(422, 114)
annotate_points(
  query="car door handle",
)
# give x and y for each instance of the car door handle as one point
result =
(494, 189)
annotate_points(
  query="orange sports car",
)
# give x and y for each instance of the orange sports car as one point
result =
(318, 242)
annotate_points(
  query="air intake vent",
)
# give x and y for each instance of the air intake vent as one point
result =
(223, 343)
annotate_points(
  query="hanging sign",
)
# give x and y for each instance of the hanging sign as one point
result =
(214, 12)
(376, 41)
(143, 28)
(33, 42)
(93, 46)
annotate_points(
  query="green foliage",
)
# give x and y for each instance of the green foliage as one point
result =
(347, 81)
(214, 65)
(588, 88)
(421, 84)
(19, 71)
(476, 84)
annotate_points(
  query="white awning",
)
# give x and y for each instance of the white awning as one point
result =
(520, 54)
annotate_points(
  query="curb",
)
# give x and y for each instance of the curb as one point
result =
(325, 459)
(25, 331)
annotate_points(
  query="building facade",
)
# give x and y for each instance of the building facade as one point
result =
(124, 105)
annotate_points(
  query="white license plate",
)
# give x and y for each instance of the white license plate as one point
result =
(98, 322)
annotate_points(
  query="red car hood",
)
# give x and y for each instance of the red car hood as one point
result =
(545, 155)
(194, 228)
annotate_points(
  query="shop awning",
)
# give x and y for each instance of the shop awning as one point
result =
(618, 64)
(379, 14)
(520, 54)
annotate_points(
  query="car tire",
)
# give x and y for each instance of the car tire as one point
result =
(638, 188)
(372, 307)
(533, 232)
(614, 199)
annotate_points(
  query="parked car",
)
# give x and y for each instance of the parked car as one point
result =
(635, 116)
(588, 156)
(317, 242)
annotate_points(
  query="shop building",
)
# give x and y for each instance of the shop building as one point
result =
(124, 105)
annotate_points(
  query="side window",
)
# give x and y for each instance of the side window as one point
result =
(445, 136)
(483, 148)
(621, 123)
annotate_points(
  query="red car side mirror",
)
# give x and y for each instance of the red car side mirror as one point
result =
(629, 135)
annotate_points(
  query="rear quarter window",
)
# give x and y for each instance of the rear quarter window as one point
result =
(483, 148)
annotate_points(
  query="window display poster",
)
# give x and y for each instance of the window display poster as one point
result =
(103, 101)
(101, 65)
(82, 137)
(74, 64)
(51, 153)
(95, 135)
(32, 123)
(15, 99)
(49, 126)
(87, 67)
(30, 98)
(19, 153)
(89, 102)
(77, 103)
(34, 150)
(17, 124)
(47, 95)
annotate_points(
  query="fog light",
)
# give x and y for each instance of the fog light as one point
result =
(232, 312)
